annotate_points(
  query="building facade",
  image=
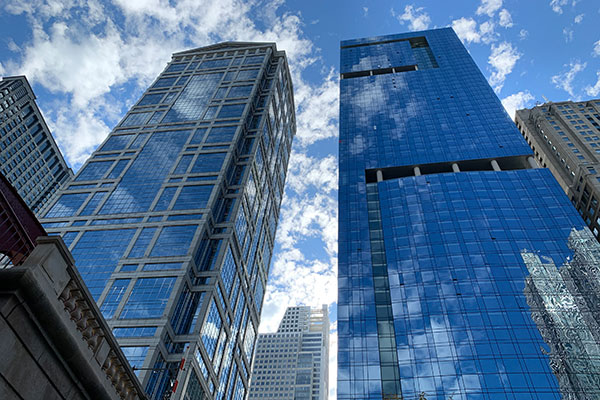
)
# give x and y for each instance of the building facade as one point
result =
(293, 363)
(441, 207)
(565, 138)
(172, 219)
(29, 157)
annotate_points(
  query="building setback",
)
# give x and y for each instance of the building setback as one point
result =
(29, 157)
(448, 234)
(565, 137)
(293, 363)
(171, 221)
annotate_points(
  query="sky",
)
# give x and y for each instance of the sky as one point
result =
(89, 61)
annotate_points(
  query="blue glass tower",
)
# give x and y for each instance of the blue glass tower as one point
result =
(462, 271)
(172, 220)
(29, 157)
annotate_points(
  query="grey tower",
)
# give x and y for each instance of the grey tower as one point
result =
(29, 157)
(565, 137)
(172, 220)
(293, 363)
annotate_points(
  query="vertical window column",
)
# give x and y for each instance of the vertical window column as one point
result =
(388, 356)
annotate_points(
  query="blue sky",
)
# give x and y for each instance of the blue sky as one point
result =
(89, 60)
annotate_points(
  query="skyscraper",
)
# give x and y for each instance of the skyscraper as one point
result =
(565, 136)
(29, 157)
(293, 363)
(171, 221)
(443, 212)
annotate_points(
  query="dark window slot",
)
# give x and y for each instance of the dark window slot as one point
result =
(506, 164)
(379, 71)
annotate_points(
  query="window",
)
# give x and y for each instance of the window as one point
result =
(148, 298)
(173, 241)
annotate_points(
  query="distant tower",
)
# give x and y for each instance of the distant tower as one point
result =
(29, 157)
(565, 137)
(172, 220)
(293, 363)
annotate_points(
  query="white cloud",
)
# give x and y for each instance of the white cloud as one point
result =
(487, 32)
(594, 91)
(596, 51)
(516, 101)
(489, 7)
(523, 34)
(564, 80)
(505, 19)
(557, 5)
(317, 109)
(568, 34)
(417, 18)
(579, 18)
(466, 29)
(502, 59)
(305, 171)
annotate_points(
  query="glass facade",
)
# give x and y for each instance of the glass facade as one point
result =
(172, 220)
(29, 157)
(461, 269)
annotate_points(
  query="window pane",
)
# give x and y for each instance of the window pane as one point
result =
(193, 197)
(67, 205)
(94, 170)
(173, 241)
(148, 298)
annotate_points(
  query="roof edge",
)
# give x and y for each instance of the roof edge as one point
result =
(225, 45)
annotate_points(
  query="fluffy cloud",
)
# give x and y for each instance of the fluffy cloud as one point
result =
(594, 91)
(505, 19)
(578, 18)
(523, 34)
(564, 80)
(466, 29)
(317, 109)
(417, 18)
(489, 7)
(305, 171)
(502, 60)
(488, 32)
(517, 101)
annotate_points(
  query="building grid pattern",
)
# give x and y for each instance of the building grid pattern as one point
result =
(439, 197)
(152, 218)
(293, 363)
(565, 138)
(30, 158)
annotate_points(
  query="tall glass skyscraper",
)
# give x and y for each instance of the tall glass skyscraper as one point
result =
(171, 221)
(29, 157)
(464, 270)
